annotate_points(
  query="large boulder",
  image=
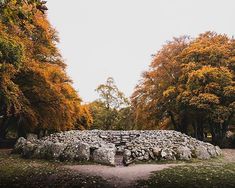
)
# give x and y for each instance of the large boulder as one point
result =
(49, 150)
(127, 157)
(212, 151)
(201, 152)
(31, 137)
(78, 151)
(57, 149)
(104, 155)
(218, 151)
(168, 154)
(20, 143)
(43, 150)
(28, 149)
(183, 153)
(146, 156)
(157, 152)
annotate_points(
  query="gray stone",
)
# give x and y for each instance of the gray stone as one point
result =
(57, 149)
(28, 149)
(218, 151)
(183, 153)
(168, 154)
(143, 152)
(133, 155)
(43, 150)
(146, 156)
(201, 152)
(31, 137)
(127, 153)
(78, 151)
(20, 143)
(151, 155)
(140, 158)
(104, 156)
(127, 157)
(157, 151)
(212, 151)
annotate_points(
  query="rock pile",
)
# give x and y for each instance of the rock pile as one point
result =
(102, 146)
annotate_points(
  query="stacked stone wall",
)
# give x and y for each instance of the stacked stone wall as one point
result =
(102, 146)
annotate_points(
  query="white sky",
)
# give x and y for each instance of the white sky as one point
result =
(102, 38)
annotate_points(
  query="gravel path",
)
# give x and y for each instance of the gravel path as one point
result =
(121, 176)
(229, 155)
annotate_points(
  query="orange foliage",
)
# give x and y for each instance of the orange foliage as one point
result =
(192, 83)
(34, 87)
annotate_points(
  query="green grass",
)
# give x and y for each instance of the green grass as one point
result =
(211, 173)
(18, 172)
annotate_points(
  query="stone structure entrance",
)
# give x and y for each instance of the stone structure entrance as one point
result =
(119, 159)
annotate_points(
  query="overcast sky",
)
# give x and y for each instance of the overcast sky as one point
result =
(102, 38)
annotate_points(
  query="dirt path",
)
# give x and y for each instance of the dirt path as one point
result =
(229, 155)
(120, 176)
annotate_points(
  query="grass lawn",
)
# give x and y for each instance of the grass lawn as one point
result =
(18, 172)
(211, 173)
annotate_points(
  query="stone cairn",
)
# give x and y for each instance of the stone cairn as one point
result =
(102, 146)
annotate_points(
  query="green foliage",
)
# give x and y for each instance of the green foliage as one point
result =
(10, 52)
(112, 110)
(103, 118)
(111, 96)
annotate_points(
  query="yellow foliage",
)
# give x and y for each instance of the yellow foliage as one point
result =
(169, 92)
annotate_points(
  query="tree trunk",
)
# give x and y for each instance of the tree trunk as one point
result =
(212, 129)
(21, 132)
(200, 135)
(194, 130)
(173, 120)
(216, 134)
(218, 131)
(3, 128)
(183, 125)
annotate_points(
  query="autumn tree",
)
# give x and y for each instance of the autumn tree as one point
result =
(35, 92)
(110, 95)
(106, 110)
(151, 109)
(190, 83)
(208, 67)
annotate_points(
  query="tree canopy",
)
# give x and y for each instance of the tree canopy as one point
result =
(35, 91)
(111, 110)
(190, 83)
